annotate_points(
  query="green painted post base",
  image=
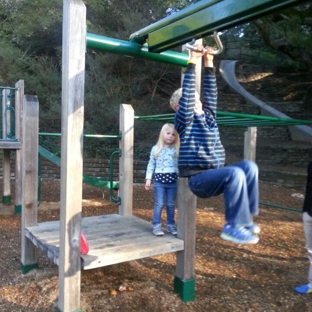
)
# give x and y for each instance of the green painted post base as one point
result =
(6, 199)
(26, 268)
(18, 209)
(186, 289)
(59, 310)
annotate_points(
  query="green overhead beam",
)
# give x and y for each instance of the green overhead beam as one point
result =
(141, 35)
(204, 17)
(134, 50)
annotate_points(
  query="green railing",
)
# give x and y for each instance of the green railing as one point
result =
(237, 120)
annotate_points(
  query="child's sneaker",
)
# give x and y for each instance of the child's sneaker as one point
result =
(172, 229)
(238, 235)
(157, 230)
(254, 228)
(303, 289)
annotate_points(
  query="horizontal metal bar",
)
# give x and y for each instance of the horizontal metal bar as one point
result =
(141, 35)
(133, 49)
(217, 17)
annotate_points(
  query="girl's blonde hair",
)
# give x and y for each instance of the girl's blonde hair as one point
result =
(160, 142)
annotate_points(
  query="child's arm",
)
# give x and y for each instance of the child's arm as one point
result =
(210, 84)
(150, 169)
(187, 101)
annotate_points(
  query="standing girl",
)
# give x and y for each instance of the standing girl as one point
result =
(163, 165)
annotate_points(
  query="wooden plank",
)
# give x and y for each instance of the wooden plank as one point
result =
(143, 250)
(136, 242)
(73, 79)
(250, 142)
(10, 144)
(29, 254)
(126, 126)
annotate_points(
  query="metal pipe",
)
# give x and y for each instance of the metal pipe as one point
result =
(133, 49)
(141, 35)
(280, 207)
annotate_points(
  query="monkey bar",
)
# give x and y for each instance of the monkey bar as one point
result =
(202, 18)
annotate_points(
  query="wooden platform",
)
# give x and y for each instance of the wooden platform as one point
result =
(10, 144)
(112, 239)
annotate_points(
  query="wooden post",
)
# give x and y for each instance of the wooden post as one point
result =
(126, 126)
(73, 79)
(6, 198)
(250, 142)
(29, 254)
(19, 95)
(184, 281)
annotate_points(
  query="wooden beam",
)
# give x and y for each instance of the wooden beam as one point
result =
(29, 254)
(10, 144)
(126, 126)
(73, 79)
(184, 281)
(250, 142)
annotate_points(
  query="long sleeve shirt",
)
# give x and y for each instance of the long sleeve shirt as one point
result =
(166, 162)
(200, 145)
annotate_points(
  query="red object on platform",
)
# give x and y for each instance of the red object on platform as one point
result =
(84, 245)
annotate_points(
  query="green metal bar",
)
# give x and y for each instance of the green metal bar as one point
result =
(11, 133)
(9, 88)
(133, 49)
(217, 17)
(101, 136)
(286, 120)
(238, 119)
(39, 179)
(111, 171)
(279, 206)
(141, 35)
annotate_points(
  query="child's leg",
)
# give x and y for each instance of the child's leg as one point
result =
(251, 172)
(171, 193)
(307, 225)
(231, 181)
(159, 192)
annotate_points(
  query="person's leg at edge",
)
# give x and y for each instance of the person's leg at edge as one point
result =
(307, 226)
(159, 192)
(171, 193)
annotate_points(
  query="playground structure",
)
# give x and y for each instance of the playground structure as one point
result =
(298, 132)
(11, 140)
(60, 240)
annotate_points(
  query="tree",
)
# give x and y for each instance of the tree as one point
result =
(289, 32)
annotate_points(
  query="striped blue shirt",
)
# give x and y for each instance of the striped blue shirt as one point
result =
(200, 145)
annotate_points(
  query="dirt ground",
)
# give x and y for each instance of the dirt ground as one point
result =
(229, 277)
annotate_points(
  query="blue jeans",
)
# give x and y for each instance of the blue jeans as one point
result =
(165, 195)
(238, 183)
